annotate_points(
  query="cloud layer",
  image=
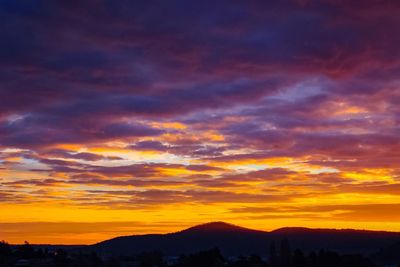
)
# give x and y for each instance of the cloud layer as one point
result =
(260, 112)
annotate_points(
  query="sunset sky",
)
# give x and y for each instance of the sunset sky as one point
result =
(131, 117)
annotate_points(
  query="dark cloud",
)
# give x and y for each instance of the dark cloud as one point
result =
(129, 59)
(37, 182)
(41, 130)
(155, 170)
(164, 197)
(150, 145)
(180, 147)
(130, 182)
(59, 153)
(273, 174)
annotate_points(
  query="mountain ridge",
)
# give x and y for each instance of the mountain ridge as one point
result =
(219, 226)
(235, 240)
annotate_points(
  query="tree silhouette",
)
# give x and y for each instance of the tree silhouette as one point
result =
(26, 251)
(209, 258)
(60, 258)
(285, 254)
(273, 255)
(5, 253)
(298, 259)
(151, 259)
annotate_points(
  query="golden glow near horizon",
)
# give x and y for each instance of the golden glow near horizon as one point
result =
(80, 193)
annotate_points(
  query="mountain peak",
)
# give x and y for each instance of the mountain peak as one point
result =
(217, 226)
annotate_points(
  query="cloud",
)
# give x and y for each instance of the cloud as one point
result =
(46, 129)
(150, 145)
(59, 153)
(349, 212)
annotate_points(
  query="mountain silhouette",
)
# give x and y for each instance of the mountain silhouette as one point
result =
(216, 228)
(234, 240)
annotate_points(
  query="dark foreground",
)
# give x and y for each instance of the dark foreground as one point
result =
(279, 255)
(219, 244)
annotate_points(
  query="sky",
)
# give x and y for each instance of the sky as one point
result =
(132, 117)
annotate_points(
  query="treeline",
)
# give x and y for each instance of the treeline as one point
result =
(279, 256)
(27, 256)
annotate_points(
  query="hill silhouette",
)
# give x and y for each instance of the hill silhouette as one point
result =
(216, 227)
(234, 240)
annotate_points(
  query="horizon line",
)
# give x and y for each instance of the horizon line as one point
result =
(194, 226)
